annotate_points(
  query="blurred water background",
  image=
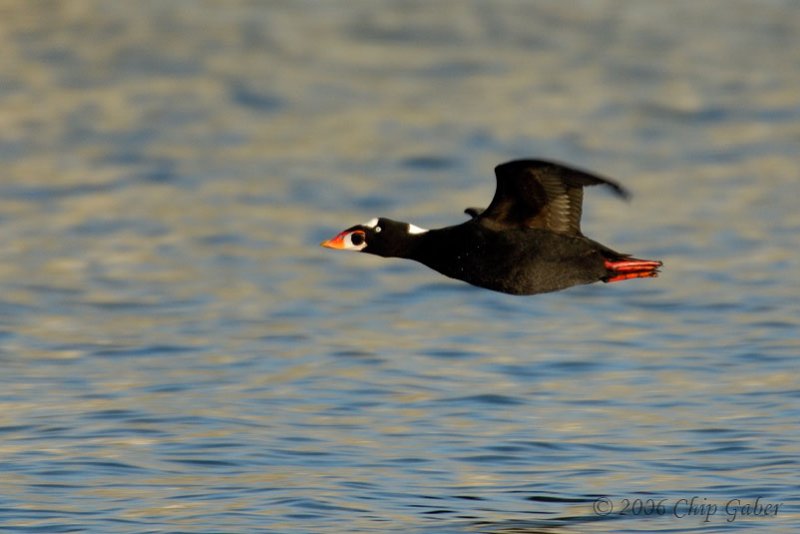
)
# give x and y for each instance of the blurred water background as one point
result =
(179, 355)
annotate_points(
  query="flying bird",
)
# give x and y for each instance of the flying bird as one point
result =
(527, 241)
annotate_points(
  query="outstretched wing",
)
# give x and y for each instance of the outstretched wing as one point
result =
(540, 194)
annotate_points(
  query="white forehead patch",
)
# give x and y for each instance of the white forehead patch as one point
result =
(372, 223)
(414, 229)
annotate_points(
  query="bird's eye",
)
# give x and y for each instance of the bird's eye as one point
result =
(357, 238)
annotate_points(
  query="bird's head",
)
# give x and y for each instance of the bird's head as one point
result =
(380, 236)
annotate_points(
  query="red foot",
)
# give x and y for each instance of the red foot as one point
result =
(631, 268)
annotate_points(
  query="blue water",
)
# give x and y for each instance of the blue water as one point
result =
(179, 355)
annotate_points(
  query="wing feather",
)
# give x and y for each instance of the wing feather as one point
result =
(541, 194)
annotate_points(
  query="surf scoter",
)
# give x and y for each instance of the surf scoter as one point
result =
(527, 241)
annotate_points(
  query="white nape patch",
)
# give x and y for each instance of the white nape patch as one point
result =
(414, 229)
(372, 223)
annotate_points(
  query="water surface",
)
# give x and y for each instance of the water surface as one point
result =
(180, 356)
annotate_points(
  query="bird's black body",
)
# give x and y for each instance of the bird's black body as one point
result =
(527, 241)
(522, 262)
